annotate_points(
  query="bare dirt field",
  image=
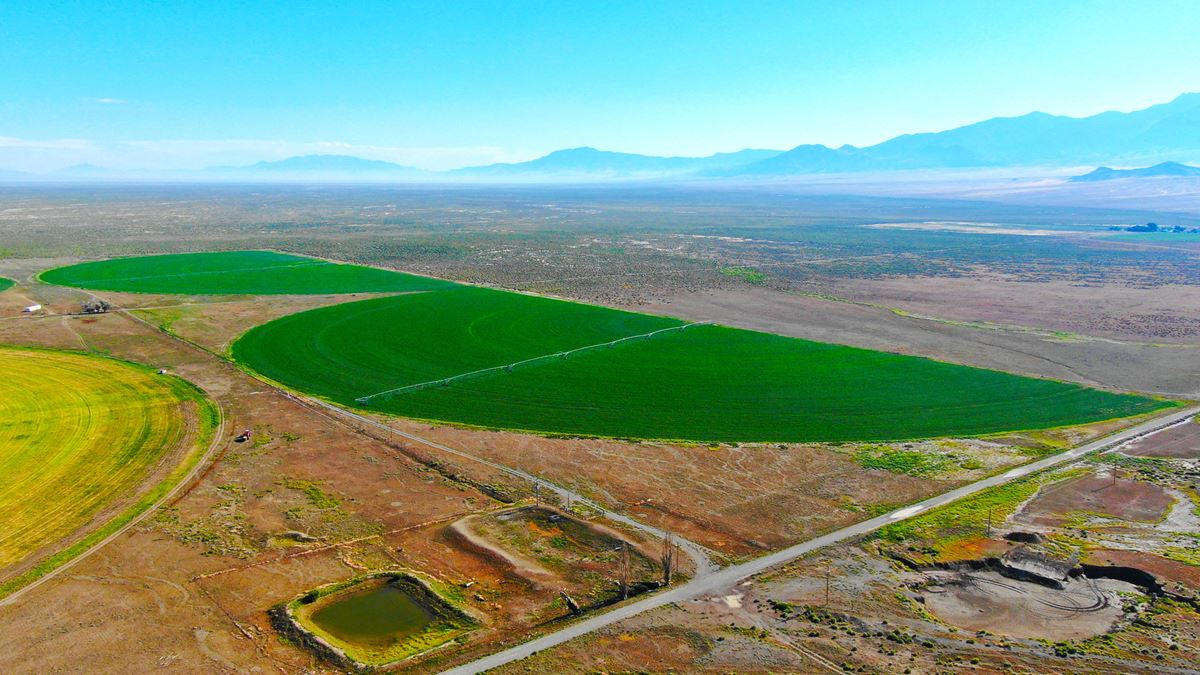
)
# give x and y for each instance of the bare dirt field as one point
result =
(216, 323)
(1168, 313)
(1124, 499)
(739, 500)
(1181, 442)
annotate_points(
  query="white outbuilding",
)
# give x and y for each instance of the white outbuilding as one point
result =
(33, 308)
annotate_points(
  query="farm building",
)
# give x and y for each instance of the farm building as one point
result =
(33, 308)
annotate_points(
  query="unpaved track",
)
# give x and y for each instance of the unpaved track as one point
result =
(718, 581)
(699, 555)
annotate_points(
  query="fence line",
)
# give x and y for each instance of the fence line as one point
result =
(508, 367)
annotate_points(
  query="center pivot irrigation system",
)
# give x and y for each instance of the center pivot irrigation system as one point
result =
(508, 368)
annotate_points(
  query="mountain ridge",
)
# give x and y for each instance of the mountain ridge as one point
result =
(1161, 170)
(321, 164)
(1165, 131)
(586, 160)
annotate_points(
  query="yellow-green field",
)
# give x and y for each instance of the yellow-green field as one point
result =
(86, 444)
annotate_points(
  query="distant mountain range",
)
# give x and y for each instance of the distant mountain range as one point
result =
(1163, 170)
(592, 163)
(328, 167)
(1168, 133)
(83, 171)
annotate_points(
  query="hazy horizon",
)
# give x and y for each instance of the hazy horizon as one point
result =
(147, 86)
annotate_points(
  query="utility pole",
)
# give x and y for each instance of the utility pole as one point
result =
(537, 493)
(827, 587)
(989, 522)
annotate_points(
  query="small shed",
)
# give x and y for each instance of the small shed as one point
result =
(33, 308)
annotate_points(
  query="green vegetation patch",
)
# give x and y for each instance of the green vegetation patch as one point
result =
(235, 273)
(899, 460)
(377, 619)
(947, 531)
(747, 274)
(78, 435)
(5, 284)
(317, 497)
(703, 383)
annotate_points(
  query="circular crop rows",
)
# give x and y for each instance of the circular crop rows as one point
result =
(79, 435)
(706, 383)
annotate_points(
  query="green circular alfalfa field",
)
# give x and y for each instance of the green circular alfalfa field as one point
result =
(234, 273)
(704, 382)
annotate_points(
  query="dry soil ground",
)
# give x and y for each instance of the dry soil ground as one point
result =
(1113, 497)
(1181, 442)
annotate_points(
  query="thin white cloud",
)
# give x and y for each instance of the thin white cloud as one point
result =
(49, 144)
(37, 155)
(108, 101)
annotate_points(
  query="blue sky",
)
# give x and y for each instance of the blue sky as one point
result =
(442, 84)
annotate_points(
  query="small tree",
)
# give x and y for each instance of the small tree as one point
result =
(669, 549)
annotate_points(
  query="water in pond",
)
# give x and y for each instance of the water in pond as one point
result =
(376, 617)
